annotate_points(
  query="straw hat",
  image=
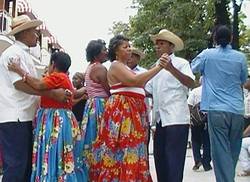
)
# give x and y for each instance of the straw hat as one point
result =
(23, 22)
(165, 34)
(137, 52)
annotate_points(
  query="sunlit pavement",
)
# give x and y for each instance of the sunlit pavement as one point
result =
(189, 174)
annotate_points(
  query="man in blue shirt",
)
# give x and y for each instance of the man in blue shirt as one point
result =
(224, 72)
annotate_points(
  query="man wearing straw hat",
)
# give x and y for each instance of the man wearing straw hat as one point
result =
(169, 89)
(18, 102)
(136, 56)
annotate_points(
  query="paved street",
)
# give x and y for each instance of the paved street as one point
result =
(189, 174)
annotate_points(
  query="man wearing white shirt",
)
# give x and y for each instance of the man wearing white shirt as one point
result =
(169, 89)
(199, 134)
(18, 102)
(136, 56)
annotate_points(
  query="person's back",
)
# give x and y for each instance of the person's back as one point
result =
(222, 79)
(54, 81)
(94, 89)
(224, 72)
(15, 103)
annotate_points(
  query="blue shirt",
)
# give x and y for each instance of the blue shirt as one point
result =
(224, 72)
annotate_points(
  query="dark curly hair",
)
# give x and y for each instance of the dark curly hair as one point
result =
(61, 60)
(114, 43)
(94, 48)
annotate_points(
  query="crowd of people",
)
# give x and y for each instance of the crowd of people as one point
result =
(97, 126)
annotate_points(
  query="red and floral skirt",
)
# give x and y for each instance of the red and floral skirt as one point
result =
(120, 151)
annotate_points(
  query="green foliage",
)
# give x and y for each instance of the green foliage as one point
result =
(192, 20)
(120, 28)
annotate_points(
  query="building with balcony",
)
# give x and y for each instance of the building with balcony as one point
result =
(47, 43)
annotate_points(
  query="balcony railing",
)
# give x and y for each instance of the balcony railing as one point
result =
(5, 22)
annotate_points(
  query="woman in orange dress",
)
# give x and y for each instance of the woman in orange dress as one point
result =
(120, 152)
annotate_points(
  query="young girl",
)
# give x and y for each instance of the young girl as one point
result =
(56, 129)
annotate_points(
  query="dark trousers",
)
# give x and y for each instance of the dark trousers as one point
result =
(16, 143)
(170, 145)
(200, 138)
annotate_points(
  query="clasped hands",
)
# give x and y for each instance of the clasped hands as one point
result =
(165, 62)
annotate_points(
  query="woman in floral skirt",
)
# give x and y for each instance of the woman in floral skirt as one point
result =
(56, 130)
(98, 92)
(120, 152)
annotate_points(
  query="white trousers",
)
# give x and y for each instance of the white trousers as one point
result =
(244, 157)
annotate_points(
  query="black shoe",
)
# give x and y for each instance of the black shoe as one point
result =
(197, 166)
(207, 168)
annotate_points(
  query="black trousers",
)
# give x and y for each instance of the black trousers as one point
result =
(170, 145)
(199, 138)
(16, 143)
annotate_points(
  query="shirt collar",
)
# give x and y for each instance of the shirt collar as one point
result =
(23, 46)
(172, 55)
(137, 68)
(227, 47)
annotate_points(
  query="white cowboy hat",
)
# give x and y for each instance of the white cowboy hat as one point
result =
(23, 22)
(137, 52)
(165, 34)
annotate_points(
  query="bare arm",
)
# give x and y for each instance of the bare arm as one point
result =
(247, 84)
(119, 73)
(60, 95)
(125, 76)
(80, 92)
(246, 132)
(75, 101)
(35, 83)
(184, 79)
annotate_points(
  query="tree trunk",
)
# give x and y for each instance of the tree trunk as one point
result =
(236, 10)
(221, 17)
(221, 13)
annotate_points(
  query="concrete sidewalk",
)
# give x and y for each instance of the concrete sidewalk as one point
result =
(191, 176)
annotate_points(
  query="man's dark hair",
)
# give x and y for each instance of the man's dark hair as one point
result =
(114, 43)
(222, 35)
(94, 48)
(61, 60)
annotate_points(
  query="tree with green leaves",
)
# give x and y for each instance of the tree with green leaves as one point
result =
(192, 20)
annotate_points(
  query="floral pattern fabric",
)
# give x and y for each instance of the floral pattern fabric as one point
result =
(120, 151)
(56, 135)
(92, 117)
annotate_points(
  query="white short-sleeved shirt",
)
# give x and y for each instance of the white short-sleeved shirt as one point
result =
(16, 105)
(138, 69)
(194, 96)
(247, 103)
(170, 95)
